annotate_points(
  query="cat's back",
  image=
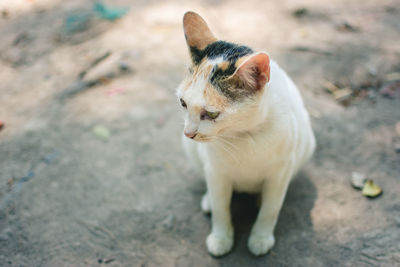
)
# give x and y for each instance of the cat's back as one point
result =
(282, 89)
(291, 113)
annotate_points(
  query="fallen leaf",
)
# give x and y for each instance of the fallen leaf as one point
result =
(358, 180)
(101, 132)
(347, 27)
(342, 94)
(371, 189)
(394, 76)
(330, 87)
(315, 50)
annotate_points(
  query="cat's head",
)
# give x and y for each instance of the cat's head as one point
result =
(220, 95)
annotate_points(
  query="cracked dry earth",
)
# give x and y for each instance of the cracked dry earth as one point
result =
(128, 197)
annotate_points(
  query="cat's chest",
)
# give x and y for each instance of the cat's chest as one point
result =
(245, 162)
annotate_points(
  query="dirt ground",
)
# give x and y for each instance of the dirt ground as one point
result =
(98, 176)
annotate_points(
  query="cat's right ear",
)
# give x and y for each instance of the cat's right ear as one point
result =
(254, 72)
(197, 33)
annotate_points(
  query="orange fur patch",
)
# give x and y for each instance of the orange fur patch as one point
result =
(198, 70)
(202, 70)
(223, 65)
(207, 71)
(214, 98)
(197, 109)
(187, 83)
(240, 61)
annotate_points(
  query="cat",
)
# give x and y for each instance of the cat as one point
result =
(246, 127)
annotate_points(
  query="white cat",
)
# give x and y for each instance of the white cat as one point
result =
(246, 127)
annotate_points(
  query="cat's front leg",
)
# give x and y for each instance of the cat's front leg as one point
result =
(205, 204)
(262, 238)
(220, 240)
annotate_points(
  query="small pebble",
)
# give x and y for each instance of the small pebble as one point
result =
(124, 66)
(358, 180)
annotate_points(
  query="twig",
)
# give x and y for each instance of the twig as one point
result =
(311, 49)
(94, 63)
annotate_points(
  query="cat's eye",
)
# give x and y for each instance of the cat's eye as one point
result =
(210, 115)
(183, 103)
(213, 115)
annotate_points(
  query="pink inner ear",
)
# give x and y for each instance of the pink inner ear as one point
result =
(255, 71)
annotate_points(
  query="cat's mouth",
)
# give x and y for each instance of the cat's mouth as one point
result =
(202, 138)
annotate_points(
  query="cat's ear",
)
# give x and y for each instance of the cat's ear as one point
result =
(254, 72)
(197, 33)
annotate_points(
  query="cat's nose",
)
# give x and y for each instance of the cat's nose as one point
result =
(190, 134)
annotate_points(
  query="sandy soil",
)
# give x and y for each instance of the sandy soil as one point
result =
(131, 199)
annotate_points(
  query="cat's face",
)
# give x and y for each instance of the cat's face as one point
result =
(221, 92)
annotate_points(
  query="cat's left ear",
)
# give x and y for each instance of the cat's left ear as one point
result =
(197, 32)
(254, 72)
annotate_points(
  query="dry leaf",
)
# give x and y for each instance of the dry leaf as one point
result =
(330, 87)
(101, 132)
(342, 94)
(394, 76)
(371, 189)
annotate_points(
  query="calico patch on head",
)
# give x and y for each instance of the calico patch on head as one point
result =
(225, 76)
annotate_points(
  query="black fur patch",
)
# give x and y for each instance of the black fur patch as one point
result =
(197, 55)
(229, 52)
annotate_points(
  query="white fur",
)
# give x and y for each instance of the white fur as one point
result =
(256, 146)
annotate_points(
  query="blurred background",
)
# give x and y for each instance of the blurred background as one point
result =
(91, 166)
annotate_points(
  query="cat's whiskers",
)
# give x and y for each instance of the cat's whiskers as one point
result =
(230, 153)
(229, 143)
(228, 147)
(251, 139)
(225, 147)
(248, 138)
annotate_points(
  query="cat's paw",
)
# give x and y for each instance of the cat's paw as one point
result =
(259, 244)
(219, 245)
(205, 204)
